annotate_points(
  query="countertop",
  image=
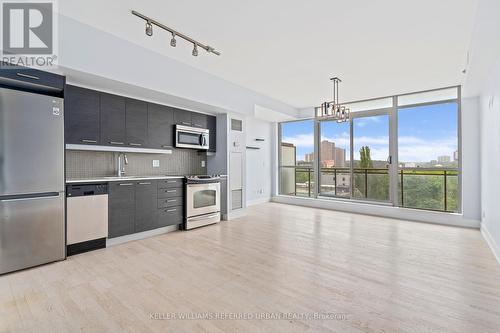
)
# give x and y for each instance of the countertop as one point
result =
(117, 179)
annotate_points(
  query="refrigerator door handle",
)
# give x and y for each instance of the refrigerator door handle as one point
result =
(25, 197)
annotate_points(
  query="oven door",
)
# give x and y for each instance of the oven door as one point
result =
(202, 199)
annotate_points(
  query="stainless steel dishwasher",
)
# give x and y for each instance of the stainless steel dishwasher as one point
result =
(87, 217)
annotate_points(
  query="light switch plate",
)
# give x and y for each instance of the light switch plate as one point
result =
(203, 164)
(156, 163)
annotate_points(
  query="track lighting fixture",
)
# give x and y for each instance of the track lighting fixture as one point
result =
(149, 28)
(173, 42)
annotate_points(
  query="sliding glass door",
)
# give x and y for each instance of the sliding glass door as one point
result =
(354, 157)
(371, 157)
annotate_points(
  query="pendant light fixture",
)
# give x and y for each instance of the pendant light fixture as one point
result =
(334, 110)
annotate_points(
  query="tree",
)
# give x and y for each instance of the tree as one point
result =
(365, 158)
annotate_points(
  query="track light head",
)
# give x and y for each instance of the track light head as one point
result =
(195, 50)
(149, 29)
(173, 42)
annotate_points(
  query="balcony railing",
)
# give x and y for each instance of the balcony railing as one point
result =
(422, 188)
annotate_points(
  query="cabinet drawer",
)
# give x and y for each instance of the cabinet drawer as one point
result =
(167, 183)
(170, 216)
(171, 202)
(170, 192)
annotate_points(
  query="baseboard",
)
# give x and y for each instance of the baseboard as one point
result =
(258, 201)
(451, 219)
(495, 248)
(140, 235)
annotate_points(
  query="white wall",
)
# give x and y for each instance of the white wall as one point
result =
(258, 161)
(483, 79)
(471, 157)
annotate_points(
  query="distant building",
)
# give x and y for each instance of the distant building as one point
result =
(408, 165)
(444, 159)
(331, 156)
(455, 155)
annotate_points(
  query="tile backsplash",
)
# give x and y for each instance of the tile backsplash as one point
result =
(88, 164)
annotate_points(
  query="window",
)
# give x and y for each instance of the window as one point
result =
(297, 158)
(400, 150)
(428, 157)
(335, 159)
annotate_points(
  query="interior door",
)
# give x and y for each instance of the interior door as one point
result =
(371, 156)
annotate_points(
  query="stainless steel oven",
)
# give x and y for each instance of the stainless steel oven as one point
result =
(202, 201)
(191, 137)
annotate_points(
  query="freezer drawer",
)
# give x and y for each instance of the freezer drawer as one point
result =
(31, 231)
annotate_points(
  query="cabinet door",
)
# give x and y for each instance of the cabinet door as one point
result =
(81, 115)
(112, 120)
(182, 117)
(170, 216)
(121, 209)
(145, 205)
(212, 127)
(160, 126)
(136, 123)
(199, 120)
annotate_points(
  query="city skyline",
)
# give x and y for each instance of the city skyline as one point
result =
(424, 133)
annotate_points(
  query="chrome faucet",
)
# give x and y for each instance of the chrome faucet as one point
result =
(121, 166)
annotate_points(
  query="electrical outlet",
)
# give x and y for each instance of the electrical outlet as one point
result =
(202, 164)
(156, 163)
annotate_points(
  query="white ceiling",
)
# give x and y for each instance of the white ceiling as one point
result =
(288, 49)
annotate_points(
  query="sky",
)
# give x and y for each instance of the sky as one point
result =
(424, 133)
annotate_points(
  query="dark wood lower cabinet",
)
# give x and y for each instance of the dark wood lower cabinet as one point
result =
(145, 205)
(138, 206)
(121, 209)
(170, 216)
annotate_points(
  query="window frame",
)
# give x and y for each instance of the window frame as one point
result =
(393, 115)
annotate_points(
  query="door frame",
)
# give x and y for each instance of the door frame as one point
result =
(391, 112)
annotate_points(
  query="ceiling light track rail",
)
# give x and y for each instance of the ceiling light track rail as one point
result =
(149, 31)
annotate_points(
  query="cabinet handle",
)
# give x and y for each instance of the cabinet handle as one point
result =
(171, 191)
(165, 146)
(28, 76)
(171, 181)
(185, 123)
(88, 141)
(126, 184)
(115, 143)
(135, 144)
(172, 200)
(171, 210)
(144, 183)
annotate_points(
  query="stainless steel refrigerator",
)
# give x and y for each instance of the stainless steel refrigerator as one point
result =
(32, 219)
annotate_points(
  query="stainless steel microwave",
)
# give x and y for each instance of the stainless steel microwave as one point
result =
(191, 137)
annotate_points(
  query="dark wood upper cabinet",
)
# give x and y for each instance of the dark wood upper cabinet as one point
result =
(112, 120)
(183, 117)
(81, 115)
(199, 120)
(136, 123)
(212, 138)
(98, 118)
(160, 126)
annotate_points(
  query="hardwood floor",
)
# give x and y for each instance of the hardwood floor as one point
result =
(375, 274)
